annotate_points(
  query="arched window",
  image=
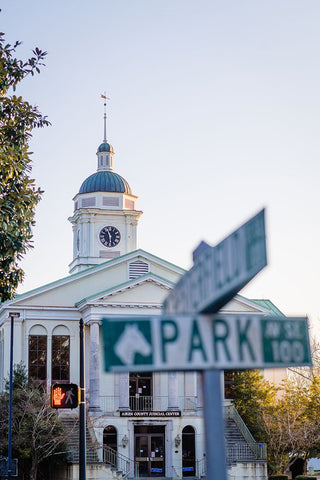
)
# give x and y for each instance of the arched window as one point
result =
(37, 354)
(110, 445)
(60, 358)
(188, 452)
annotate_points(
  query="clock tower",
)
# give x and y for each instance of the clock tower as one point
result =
(105, 218)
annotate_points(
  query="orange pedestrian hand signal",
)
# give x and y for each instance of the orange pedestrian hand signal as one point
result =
(64, 395)
(58, 396)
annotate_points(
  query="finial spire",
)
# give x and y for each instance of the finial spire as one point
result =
(104, 96)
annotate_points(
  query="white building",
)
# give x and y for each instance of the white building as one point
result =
(152, 421)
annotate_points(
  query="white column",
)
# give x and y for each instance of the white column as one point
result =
(124, 391)
(94, 367)
(49, 361)
(173, 400)
(199, 391)
(190, 390)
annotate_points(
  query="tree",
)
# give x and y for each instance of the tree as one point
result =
(285, 418)
(293, 425)
(37, 432)
(251, 394)
(18, 193)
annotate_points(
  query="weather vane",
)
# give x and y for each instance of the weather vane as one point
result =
(104, 96)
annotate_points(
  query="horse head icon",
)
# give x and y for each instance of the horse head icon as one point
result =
(130, 342)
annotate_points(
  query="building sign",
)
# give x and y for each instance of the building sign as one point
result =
(200, 342)
(220, 272)
(156, 413)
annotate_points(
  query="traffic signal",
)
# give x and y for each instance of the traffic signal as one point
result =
(64, 395)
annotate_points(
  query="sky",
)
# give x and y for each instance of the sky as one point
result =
(213, 115)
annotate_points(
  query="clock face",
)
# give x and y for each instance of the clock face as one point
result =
(109, 236)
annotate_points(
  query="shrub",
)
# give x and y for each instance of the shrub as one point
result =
(278, 477)
(305, 477)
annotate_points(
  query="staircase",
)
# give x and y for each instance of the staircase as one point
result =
(237, 448)
(71, 426)
(240, 444)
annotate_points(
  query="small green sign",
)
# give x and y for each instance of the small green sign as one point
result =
(285, 342)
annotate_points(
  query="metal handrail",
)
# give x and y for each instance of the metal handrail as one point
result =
(259, 449)
(120, 461)
(201, 467)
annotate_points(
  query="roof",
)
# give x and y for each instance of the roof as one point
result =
(105, 181)
(269, 306)
(105, 147)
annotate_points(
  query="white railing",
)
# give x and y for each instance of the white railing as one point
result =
(110, 404)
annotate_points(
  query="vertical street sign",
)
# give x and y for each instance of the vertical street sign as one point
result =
(220, 272)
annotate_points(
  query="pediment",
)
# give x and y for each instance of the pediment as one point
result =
(69, 291)
(241, 304)
(149, 290)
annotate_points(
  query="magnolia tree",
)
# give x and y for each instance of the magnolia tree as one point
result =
(18, 193)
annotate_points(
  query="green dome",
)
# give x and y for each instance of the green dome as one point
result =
(105, 147)
(105, 181)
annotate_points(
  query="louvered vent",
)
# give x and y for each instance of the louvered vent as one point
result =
(88, 202)
(138, 268)
(110, 201)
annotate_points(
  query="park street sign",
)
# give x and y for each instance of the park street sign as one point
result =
(201, 342)
(220, 272)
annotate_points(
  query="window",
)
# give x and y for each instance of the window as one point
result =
(38, 358)
(60, 358)
(140, 391)
(229, 383)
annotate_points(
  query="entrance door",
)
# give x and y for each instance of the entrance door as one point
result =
(188, 452)
(150, 455)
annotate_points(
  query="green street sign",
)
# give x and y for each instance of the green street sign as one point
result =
(201, 342)
(220, 272)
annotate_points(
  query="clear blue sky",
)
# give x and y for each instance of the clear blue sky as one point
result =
(214, 113)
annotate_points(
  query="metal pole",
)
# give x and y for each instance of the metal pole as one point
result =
(214, 425)
(82, 409)
(10, 398)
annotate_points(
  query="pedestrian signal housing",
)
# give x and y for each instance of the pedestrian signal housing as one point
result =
(64, 395)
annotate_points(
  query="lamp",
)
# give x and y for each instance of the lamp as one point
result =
(177, 441)
(125, 441)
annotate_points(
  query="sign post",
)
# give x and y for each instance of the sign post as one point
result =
(191, 335)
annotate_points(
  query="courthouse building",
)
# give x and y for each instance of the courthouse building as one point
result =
(147, 424)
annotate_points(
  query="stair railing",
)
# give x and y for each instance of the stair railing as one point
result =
(259, 449)
(121, 462)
